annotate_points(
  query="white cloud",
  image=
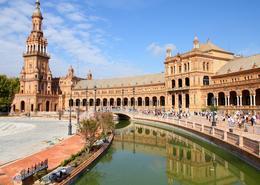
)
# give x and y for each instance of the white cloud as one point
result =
(73, 37)
(158, 50)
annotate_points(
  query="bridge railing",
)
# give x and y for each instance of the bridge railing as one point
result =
(242, 140)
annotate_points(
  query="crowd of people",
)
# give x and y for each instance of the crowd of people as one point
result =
(239, 119)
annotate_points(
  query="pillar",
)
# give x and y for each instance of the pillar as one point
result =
(228, 100)
(176, 102)
(241, 101)
(238, 101)
(183, 97)
(217, 100)
(251, 100)
(254, 100)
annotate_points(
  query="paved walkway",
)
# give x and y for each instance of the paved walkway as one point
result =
(55, 156)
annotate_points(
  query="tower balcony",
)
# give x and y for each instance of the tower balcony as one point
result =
(36, 53)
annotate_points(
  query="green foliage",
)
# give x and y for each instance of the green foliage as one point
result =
(88, 129)
(203, 110)
(213, 108)
(100, 122)
(8, 88)
(72, 157)
(106, 122)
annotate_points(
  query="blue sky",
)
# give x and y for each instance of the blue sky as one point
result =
(125, 37)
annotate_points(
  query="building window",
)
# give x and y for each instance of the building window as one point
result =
(206, 80)
(204, 66)
(207, 66)
(179, 69)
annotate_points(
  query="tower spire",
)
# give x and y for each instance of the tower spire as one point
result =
(37, 11)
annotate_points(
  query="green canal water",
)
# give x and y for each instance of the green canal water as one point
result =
(152, 155)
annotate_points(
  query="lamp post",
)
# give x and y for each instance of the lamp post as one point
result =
(78, 112)
(86, 99)
(95, 98)
(70, 125)
(134, 97)
(122, 103)
(213, 109)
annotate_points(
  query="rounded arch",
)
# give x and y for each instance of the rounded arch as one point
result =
(154, 100)
(210, 99)
(22, 106)
(71, 102)
(205, 80)
(47, 106)
(147, 101)
(233, 98)
(162, 101)
(187, 100)
(132, 101)
(118, 102)
(245, 97)
(139, 101)
(180, 83)
(77, 102)
(125, 102)
(98, 102)
(221, 98)
(257, 98)
(91, 102)
(187, 82)
(104, 102)
(84, 102)
(111, 101)
(173, 84)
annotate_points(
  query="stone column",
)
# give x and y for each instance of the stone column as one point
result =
(241, 101)
(254, 100)
(238, 104)
(251, 100)
(177, 102)
(183, 97)
(217, 100)
(228, 100)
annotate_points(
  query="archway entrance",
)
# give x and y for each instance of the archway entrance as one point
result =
(125, 103)
(139, 101)
(146, 101)
(22, 106)
(162, 101)
(154, 101)
(112, 102)
(210, 99)
(105, 102)
(245, 97)
(257, 98)
(233, 98)
(187, 100)
(221, 99)
(47, 106)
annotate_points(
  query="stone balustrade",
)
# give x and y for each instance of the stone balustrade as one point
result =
(240, 141)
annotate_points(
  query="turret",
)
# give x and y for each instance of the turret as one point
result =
(196, 43)
(89, 75)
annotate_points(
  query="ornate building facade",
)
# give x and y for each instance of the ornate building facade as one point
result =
(203, 76)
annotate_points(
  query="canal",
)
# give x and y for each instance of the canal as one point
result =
(153, 154)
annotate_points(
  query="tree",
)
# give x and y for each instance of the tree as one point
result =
(88, 129)
(8, 88)
(105, 120)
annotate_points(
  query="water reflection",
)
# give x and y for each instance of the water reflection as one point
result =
(181, 160)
